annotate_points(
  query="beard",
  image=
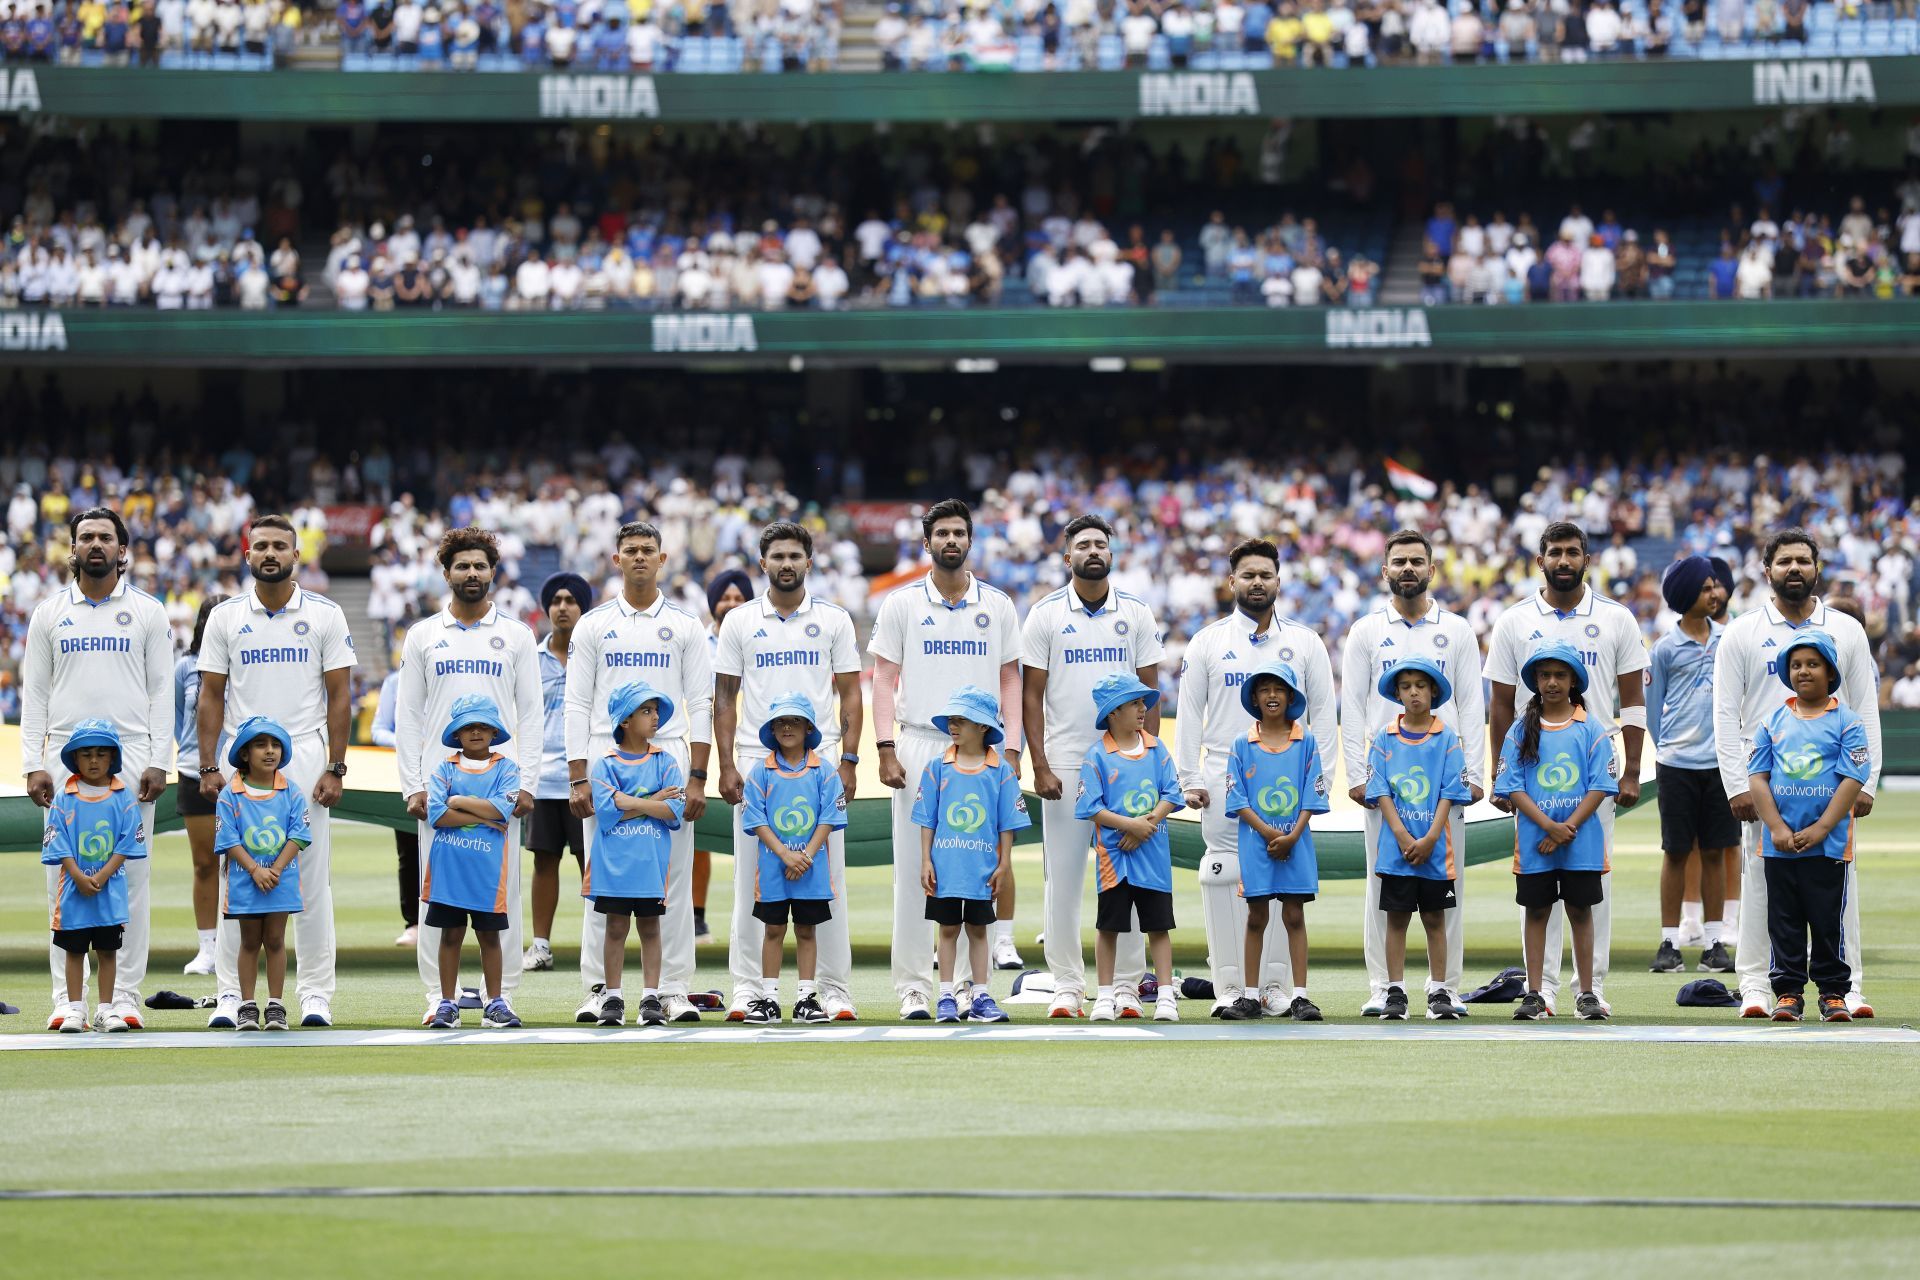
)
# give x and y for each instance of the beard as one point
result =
(951, 557)
(1409, 590)
(1092, 570)
(1256, 601)
(97, 564)
(272, 577)
(1793, 590)
(1566, 579)
(472, 590)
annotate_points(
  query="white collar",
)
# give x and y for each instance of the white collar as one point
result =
(1579, 610)
(255, 603)
(767, 609)
(486, 620)
(77, 596)
(970, 596)
(1818, 618)
(651, 611)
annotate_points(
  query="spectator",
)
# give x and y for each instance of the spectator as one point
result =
(1753, 279)
(1724, 272)
(1467, 32)
(1597, 270)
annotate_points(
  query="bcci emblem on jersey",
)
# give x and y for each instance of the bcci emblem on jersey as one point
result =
(813, 631)
(982, 621)
(498, 642)
(1120, 627)
(124, 618)
(301, 628)
(666, 633)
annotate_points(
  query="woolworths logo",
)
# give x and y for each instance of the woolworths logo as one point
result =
(598, 98)
(704, 333)
(1378, 327)
(1199, 93)
(19, 91)
(1812, 81)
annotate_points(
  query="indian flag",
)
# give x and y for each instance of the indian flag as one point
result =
(1410, 483)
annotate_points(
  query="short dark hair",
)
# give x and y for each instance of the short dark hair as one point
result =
(1402, 537)
(455, 541)
(945, 509)
(272, 520)
(108, 514)
(638, 529)
(1252, 547)
(1563, 531)
(1787, 538)
(1080, 524)
(785, 531)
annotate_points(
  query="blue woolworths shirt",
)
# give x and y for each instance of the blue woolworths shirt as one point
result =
(1130, 785)
(261, 825)
(1283, 787)
(794, 804)
(1575, 757)
(1414, 774)
(90, 830)
(466, 867)
(630, 849)
(1805, 757)
(967, 810)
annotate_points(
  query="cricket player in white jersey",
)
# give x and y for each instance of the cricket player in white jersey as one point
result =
(1607, 636)
(786, 641)
(932, 636)
(1411, 624)
(1218, 661)
(1746, 691)
(283, 652)
(1072, 638)
(469, 647)
(640, 635)
(96, 648)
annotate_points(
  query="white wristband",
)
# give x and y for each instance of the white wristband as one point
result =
(1634, 717)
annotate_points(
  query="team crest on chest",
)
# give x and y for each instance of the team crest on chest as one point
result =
(1286, 655)
(1120, 627)
(1593, 631)
(498, 642)
(301, 628)
(666, 633)
(124, 618)
(982, 621)
(1439, 642)
(813, 631)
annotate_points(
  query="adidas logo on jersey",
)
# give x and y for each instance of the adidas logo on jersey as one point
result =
(247, 630)
(761, 634)
(927, 621)
(1068, 631)
(1535, 636)
(442, 645)
(1387, 643)
(1767, 644)
(1230, 656)
(66, 622)
(611, 635)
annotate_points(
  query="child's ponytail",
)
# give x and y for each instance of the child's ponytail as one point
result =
(1530, 725)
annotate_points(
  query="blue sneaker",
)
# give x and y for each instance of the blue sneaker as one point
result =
(985, 1010)
(499, 1014)
(446, 1017)
(948, 1010)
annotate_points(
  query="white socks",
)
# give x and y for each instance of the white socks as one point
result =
(1713, 934)
(1670, 937)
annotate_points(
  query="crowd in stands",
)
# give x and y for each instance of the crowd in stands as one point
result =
(232, 34)
(1177, 510)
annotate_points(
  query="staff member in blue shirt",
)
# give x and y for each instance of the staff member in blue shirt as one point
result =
(551, 829)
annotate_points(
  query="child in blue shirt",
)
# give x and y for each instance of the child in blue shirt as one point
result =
(260, 827)
(1809, 763)
(638, 802)
(470, 797)
(792, 806)
(1557, 766)
(968, 807)
(1128, 786)
(1416, 773)
(1274, 782)
(93, 829)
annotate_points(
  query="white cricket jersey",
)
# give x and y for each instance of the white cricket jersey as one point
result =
(1604, 631)
(445, 659)
(1382, 638)
(276, 663)
(1218, 661)
(1747, 687)
(799, 653)
(1076, 648)
(942, 646)
(662, 645)
(86, 660)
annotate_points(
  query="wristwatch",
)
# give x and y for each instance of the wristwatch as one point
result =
(206, 769)
(578, 782)
(848, 757)
(698, 775)
(885, 744)
(338, 769)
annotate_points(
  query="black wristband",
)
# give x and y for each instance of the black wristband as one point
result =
(885, 744)
(699, 775)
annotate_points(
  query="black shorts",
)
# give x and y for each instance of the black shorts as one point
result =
(103, 937)
(1118, 907)
(1416, 893)
(186, 795)
(552, 828)
(1544, 888)
(630, 906)
(1279, 897)
(1694, 810)
(252, 915)
(809, 911)
(441, 916)
(960, 910)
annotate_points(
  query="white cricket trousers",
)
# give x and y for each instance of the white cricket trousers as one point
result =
(676, 926)
(1222, 904)
(130, 968)
(1373, 922)
(1067, 845)
(1753, 963)
(313, 927)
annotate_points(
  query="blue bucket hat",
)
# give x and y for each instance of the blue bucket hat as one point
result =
(971, 702)
(1821, 643)
(475, 708)
(1116, 691)
(256, 727)
(790, 704)
(632, 696)
(1557, 651)
(91, 733)
(1285, 674)
(1442, 687)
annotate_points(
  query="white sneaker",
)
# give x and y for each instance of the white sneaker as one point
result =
(1040, 938)
(913, 1008)
(316, 1011)
(129, 1012)
(589, 1010)
(1066, 1004)
(1857, 1005)
(1692, 932)
(1755, 1004)
(226, 1013)
(409, 937)
(743, 998)
(679, 1009)
(1276, 1000)
(1006, 955)
(1376, 1003)
(538, 958)
(201, 965)
(1103, 1010)
(840, 1009)
(1126, 1003)
(72, 1019)
(105, 1019)
(1167, 1008)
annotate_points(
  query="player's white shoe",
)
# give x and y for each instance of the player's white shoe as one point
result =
(1692, 932)
(1126, 1003)
(1376, 1003)
(1066, 1004)
(202, 963)
(316, 1011)
(226, 1013)
(589, 1011)
(679, 1009)
(1167, 1007)
(538, 958)
(409, 937)
(129, 1013)
(1857, 1005)
(1276, 1000)
(741, 1004)
(1755, 1004)
(1103, 1010)
(913, 1007)
(1006, 955)
(840, 1009)
(107, 1018)
(69, 1018)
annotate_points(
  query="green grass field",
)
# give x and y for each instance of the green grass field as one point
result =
(1761, 1120)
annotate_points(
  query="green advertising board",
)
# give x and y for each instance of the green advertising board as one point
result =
(1499, 89)
(232, 338)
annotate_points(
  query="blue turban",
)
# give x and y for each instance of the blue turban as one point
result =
(573, 582)
(724, 579)
(1683, 580)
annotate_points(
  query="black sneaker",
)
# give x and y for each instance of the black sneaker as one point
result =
(1304, 1010)
(247, 1017)
(1440, 1007)
(1533, 1008)
(1667, 959)
(276, 1016)
(1588, 1008)
(1716, 960)
(613, 1011)
(1244, 1009)
(763, 1010)
(651, 1013)
(1396, 1006)
(806, 1009)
